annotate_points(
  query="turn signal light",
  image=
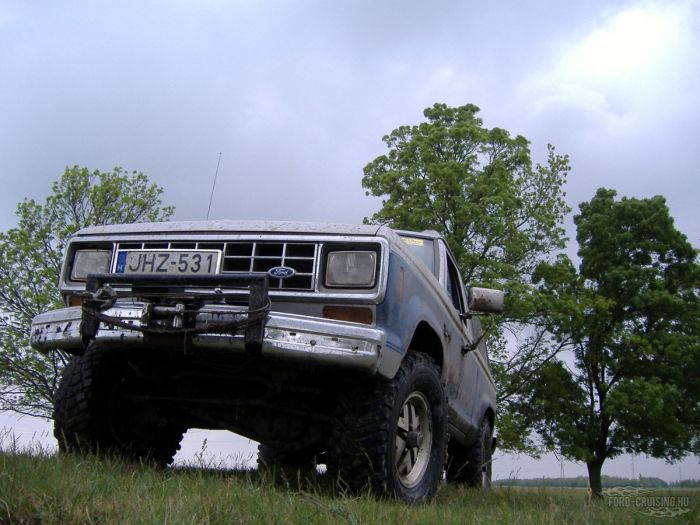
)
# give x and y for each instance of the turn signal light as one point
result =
(75, 300)
(352, 314)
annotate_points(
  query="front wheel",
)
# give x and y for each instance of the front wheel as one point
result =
(391, 435)
(95, 413)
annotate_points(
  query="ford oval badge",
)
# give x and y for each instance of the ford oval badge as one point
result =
(281, 272)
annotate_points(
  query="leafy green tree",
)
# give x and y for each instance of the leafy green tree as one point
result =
(30, 263)
(630, 317)
(500, 214)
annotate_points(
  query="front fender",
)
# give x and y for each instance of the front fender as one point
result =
(409, 301)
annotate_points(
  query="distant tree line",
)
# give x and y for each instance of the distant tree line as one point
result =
(607, 482)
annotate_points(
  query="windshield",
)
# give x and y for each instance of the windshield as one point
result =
(424, 249)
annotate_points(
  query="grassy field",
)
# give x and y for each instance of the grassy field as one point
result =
(41, 488)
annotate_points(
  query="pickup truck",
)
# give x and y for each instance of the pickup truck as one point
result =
(353, 346)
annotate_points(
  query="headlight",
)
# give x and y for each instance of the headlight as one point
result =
(351, 269)
(90, 261)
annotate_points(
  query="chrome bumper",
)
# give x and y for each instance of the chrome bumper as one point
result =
(287, 336)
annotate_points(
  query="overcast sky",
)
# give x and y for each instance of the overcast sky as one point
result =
(297, 95)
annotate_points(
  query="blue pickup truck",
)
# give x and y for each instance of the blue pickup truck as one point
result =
(353, 346)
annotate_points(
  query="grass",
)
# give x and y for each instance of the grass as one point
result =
(38, 487)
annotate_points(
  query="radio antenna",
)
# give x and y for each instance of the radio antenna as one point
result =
(216, 175)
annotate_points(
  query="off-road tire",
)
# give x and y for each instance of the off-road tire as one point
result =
(471, 465)
(91, 415)
(376, 446)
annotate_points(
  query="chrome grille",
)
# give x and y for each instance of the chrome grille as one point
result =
(252, 256)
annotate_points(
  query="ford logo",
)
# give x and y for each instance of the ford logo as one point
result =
(281, 272)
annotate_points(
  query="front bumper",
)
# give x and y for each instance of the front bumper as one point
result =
(286, 336)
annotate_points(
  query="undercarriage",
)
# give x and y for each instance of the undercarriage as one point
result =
(280, 405)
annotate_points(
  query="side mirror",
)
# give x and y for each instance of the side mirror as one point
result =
(486, 300)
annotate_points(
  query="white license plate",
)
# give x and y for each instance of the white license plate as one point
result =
(200, 262)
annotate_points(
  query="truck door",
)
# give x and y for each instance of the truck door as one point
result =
(470, 367)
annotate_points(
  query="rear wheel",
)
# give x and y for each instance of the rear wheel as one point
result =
(472, 465)
(391, 436)
(94, 413)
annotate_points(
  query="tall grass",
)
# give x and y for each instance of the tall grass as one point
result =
(40, 487)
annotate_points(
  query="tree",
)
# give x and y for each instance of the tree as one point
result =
(30, 264)
(631, 317)
(499, 214)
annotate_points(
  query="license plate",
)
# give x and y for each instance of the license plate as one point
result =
(171, 261)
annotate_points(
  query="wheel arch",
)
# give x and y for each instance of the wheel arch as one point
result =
(490, 415)
(427, 341)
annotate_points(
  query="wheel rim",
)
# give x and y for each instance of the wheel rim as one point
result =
(414, 440)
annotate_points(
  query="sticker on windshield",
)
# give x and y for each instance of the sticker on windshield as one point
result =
(412, 241)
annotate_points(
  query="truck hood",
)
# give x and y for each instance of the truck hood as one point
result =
(231, 226)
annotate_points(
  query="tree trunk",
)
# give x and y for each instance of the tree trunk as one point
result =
(594, 481)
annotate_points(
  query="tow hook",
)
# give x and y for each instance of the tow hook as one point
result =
(179, 316)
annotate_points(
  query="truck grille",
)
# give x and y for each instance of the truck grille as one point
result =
(253, 256)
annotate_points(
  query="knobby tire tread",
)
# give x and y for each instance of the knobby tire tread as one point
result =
(361, 437)
(81, 411)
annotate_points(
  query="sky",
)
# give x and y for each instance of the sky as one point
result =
(296, 96)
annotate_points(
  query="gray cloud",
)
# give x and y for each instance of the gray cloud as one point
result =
(298, 96)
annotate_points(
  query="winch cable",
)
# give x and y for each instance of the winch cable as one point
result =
(251, 317)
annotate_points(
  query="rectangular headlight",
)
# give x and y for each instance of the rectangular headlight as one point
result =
(90, 261)
(351, 269)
